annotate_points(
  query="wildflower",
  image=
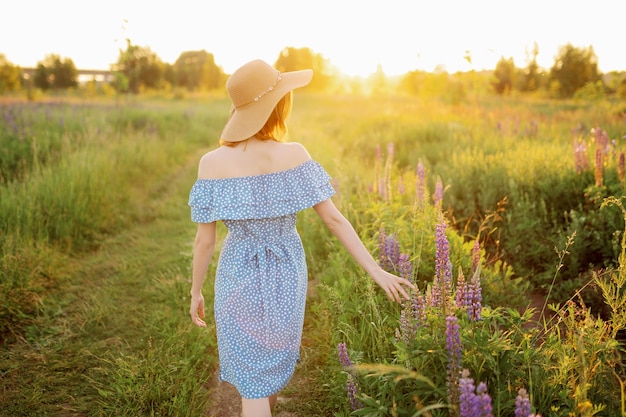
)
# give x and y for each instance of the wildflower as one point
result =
(522, 404)
(599, 168)
(484, 400)
(443, 268)
(342, 352)
(438, 198)
(407, 328)
(620, 168)
(453, 347)
(474, 297)
(473, 402)
(467, 401)
(386, 180)
(461, 290)
(351, 385)
(400, 185)
(420, 184)
(419, 309)
(390, 150)
(581, 162)
(405, 267)
(388, 251)
(353, 390)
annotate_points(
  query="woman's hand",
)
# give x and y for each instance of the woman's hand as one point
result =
(197, 310)
(392, 285)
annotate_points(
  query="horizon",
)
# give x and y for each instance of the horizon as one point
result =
(355, 37)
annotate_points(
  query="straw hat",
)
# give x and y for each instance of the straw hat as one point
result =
(254, 90)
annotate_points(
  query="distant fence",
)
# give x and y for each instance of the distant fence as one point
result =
(84, 75)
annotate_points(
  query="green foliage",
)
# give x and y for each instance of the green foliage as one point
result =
(294, 59)
(10, 75)
(573, 68)
(196, 70)
(56, 73)
(504, 76)
(139, 69)
(94, 176)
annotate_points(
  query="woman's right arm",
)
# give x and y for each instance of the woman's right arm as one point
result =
(203, 248)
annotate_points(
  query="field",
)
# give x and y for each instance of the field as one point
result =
(506, 213)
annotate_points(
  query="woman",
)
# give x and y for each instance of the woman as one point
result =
(256, 184)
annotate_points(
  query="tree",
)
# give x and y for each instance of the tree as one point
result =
(573, 68)
(196, 70)
(504, 76)
(56, 73)
(294, 59)
(530, 77)
(138, 68)
(10, 75)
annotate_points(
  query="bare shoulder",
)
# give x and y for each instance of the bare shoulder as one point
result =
(297, 152)
(210, 164)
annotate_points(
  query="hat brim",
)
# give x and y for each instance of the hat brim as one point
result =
(248, 119)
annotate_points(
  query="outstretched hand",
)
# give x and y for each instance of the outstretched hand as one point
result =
(197, 310)
(392, 285)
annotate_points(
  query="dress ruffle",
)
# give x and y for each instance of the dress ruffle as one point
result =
(260, 196)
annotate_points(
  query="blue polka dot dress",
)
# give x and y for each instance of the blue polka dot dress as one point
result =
(261, 277)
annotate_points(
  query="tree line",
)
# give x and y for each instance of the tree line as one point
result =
(138, 69)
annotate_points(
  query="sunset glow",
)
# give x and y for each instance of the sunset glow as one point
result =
(354, 36)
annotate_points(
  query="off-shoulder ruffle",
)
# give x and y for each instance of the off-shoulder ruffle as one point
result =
(260, 196)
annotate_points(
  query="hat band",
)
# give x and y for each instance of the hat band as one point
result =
(269, 90)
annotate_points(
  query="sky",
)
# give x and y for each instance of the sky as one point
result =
(356, 36)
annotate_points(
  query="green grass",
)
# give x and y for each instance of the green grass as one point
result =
(114, 338)
(95, 245)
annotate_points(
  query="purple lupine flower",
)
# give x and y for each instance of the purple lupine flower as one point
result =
(419, 309)
(390, 151)
(467, 401)
(400, 185)
(342, 352)
(382, 259)
(389, 251)
(453, 347)
(599, 168)
(405, 267)
(420, 184)
(474, 297)
(522, 404)
(351, 385)
(473, 402)
(443, 268)
(407, 327)
(353, 391)
(460, 296)
(438, 197)
(484, 400)
(382, 188)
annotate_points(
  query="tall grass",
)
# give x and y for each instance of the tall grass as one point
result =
(93, 207)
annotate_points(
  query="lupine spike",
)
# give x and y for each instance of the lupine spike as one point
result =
(522, 404)
(443, 268)
(461, 290)
(420, 184)
(438, 198)
(475, 297)
(453, 347)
